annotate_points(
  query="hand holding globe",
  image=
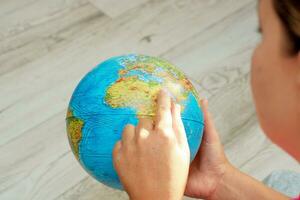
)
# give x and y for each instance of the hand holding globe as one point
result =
(164, 175)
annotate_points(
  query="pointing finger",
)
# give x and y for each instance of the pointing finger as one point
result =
(163, 117)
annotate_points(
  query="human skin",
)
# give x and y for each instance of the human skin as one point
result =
(275, 78)
(275, 81)
(152, 159)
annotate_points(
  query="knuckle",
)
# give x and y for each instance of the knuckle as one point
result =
(162, 126)
(141, 138)
(166, 135)
(160, 129)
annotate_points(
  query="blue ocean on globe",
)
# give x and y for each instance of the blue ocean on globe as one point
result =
(117, 92)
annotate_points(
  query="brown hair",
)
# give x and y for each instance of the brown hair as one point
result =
(289, 14)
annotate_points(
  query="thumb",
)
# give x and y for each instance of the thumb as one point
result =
(210, 133)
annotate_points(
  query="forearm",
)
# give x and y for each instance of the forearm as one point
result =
(237, 185)
(157, 195)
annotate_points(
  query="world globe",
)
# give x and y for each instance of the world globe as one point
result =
(120, 91)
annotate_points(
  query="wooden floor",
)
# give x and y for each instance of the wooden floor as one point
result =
(47, 46)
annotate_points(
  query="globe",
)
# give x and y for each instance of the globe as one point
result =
(120, 91)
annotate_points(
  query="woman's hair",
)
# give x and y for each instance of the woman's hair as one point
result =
(289, 14)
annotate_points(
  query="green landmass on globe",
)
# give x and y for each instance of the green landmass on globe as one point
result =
(131, 91)
(74, 131)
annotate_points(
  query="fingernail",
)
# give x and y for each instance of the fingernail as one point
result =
(204, 102)
(165, 91)
(162, 91)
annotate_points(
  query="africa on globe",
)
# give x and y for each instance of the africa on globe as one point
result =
(120, 91)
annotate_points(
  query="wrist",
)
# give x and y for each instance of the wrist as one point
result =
(236, 185)
(229, 172)
(156, 195)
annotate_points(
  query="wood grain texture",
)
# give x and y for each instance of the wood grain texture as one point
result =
(47, 46)
(115, 8)
(77, 57)
(29, 38)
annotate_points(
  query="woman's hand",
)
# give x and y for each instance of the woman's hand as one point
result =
(210, 163)
(152, 159)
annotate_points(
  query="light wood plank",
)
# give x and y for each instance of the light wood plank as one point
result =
(35, 159)
(17, 17)
(270, 159)
(83, 53)
(89, 188)
(24, 40)
(115, 8)
(226, 44)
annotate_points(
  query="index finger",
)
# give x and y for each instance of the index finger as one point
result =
(163, 117)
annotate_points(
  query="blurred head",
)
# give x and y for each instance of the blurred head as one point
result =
(275, 73)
